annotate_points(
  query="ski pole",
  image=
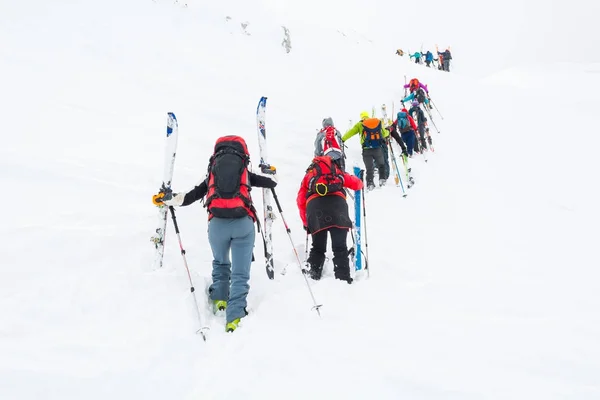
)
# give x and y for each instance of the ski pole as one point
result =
(289, 232)
(366, 241)
(349, 193)
(436, 109)
(306, 249)
(397, 178)
(431, 119)
(201, 331)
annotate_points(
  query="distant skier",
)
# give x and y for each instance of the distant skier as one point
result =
(372, 136)
(419, 116)
(418, 91)
(231, 217)
(417, 56)
(445, 58)
(323, 208)
(400, 52)
(428, 58)
(407, 128)
(414, 84)
(329, 143)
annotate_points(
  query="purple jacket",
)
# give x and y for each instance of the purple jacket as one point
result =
(424, 87)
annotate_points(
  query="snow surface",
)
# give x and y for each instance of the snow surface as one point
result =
(484, 280)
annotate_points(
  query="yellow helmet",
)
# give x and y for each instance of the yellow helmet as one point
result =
(364, 115)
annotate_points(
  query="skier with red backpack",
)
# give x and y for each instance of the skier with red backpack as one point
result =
(372, 139)
(231, 217)
(418, 91)
(329, 143)
(414, 84)
(323, 208)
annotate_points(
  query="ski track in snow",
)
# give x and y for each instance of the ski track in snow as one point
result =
(484, 280)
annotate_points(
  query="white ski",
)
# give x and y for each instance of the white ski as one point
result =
(269, 214)
(170, 150)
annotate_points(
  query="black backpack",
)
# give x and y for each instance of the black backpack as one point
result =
(228, 180)
(420, 95)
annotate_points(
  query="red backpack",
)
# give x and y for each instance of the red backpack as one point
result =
(327, 178)
(228, 180)
(413, 84)
(330, 142)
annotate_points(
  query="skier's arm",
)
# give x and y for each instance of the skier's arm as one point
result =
(261, 181)
(353, 131)
(409, 97)
(384, 132)
(424, 87)
(197, 193)
(352, 182)
(301, 201)
(318, 147)
(412, 123)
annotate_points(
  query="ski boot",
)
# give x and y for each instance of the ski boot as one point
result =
(233, 325)
(316, 266)
(341, 266)
(382, 182)
(370, 186)
(219, 305)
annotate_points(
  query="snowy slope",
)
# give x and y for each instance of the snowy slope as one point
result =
(484, 280)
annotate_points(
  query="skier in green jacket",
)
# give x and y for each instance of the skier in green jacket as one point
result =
(372, 139)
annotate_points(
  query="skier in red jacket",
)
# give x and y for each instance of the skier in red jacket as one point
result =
(323, 208)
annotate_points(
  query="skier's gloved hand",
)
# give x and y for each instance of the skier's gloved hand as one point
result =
(162, 195)
(306, 229)
(176, 199)
(269, 171)
(166, 197)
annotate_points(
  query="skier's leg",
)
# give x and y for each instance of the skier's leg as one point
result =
(409, 139)
(242, 244)
(219, 238)
(341, 263)
(316, 258)
(379, 160)
(422, 141)
(368, 159)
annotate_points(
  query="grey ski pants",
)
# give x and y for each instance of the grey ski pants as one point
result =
(230, 276)
(371, 157)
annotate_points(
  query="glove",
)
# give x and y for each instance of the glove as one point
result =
(166, 197)
(269, 171)
(306, 229)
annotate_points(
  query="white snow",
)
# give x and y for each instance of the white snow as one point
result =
(484, 281)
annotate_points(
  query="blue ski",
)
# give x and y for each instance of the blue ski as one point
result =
(357, 209)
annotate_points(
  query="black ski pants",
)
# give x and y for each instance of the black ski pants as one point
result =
(316, 259)
(373, 157)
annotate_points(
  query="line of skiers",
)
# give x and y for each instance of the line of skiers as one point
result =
(443, 60)
(321, 200)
